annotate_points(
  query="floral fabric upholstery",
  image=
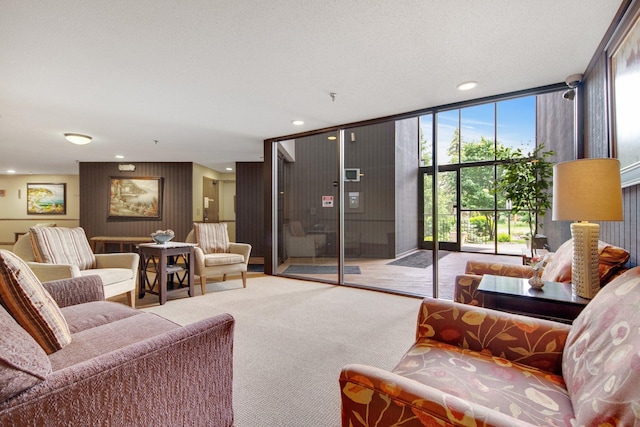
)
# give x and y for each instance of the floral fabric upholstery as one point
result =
(602, 356)
(611, 262)
(473, 366)
(466, 286)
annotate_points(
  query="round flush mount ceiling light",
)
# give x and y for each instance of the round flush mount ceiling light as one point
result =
(297, 122)
(467, 85)
(77, 138)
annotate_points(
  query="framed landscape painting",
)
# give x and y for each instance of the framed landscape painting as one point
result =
(135, 198)
(46, 199)
(623, 53)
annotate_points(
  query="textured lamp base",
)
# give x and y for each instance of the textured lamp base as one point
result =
(584, 266)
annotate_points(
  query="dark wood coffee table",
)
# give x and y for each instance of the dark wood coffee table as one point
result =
(555, 301)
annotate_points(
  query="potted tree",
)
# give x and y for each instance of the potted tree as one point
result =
(526, 181)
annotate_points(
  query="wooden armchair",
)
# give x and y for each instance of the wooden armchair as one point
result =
(55, 253)
(215, 255)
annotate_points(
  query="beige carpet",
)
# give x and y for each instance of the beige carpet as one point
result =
(292, 338)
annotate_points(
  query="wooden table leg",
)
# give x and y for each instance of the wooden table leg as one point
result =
(192, 253)
(162, 279)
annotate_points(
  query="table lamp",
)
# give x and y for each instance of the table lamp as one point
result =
(586, 190)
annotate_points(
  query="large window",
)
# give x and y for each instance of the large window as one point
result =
(470, 145)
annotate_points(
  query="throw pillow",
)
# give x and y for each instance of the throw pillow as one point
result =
(212, 238)
(23, 363)
(601, 359)
(24, 297)
(61, 245)
(611, 259)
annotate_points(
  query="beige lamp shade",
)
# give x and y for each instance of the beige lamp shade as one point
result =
(587, 190)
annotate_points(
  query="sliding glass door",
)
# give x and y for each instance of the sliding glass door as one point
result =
(308, 207)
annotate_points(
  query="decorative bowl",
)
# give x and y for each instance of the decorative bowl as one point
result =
(162, 236)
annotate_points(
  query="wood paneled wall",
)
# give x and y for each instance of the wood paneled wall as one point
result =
(176, 205)
(250, 205)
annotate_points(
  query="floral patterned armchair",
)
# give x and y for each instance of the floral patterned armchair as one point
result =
(611, 262)
(474, 366)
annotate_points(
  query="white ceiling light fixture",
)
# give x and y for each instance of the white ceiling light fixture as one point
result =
(77, 138)
(297, 122)
(229, 169)
(119, 156)
(467, 85)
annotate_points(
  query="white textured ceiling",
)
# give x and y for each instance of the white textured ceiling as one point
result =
(211, 79)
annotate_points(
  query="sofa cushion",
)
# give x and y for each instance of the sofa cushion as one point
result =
(92, 314)
(61, 245)
(110, 276)
(523, 392)
(611, 259)
(212, 260)
(23, 363)
(109, 337)
(212, 237)
(601, 360)
(24, 297)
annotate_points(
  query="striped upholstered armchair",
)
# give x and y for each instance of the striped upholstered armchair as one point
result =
(55, 253)
(216, 255)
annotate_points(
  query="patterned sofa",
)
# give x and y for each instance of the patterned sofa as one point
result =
(611, 262)
(69, 358)
(474, 366)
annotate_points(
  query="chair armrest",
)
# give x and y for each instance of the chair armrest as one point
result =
(243, 249)
(497, 269)
(47, 272)
(77, 290)
(126, 260)
(527, 340)
(199, 261)
(200, 387)
(372, 396)
(465, 290)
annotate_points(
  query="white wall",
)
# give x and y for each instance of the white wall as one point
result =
(227, 190)
(13, 206)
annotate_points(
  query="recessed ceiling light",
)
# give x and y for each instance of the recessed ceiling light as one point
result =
(467, 85)
(229, 169)
(119, 156)
(77, 138)
(297, 122)
(332, 138)
(11, 171)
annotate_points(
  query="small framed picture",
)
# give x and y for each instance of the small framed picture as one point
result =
(46, 199)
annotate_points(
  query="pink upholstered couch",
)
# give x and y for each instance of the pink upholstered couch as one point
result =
(474, 366)
(611, 262)
(123, 367)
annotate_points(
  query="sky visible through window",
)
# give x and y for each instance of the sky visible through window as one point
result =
(512, 122)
